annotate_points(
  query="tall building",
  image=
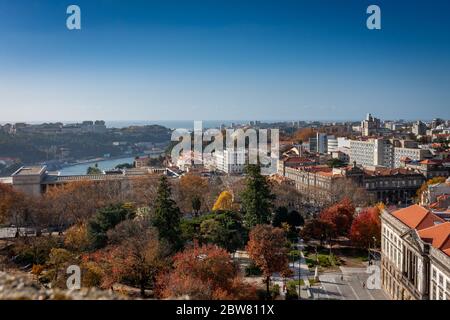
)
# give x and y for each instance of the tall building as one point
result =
(319, 143)
(415, 254)
(370, 126)
(419, 128)
(385, 152)
(372, 152)
(332, 144)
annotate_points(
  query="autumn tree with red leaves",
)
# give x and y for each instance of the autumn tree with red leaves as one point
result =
(340, 216)
(268, 249)
(366, 227)
(205, 272)
(134, 255)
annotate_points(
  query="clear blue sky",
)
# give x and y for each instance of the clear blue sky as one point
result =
(224, 59)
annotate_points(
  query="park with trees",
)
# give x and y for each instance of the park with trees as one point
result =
(173, 238)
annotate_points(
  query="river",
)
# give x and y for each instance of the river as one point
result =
(79, 169)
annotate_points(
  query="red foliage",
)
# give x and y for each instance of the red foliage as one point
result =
(204, 272)
(340, 216)
(365, 227)
(267, 248)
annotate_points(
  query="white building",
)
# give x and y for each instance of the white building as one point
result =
(384, 152)
(332, 144)
(230, 161)
(371, 152)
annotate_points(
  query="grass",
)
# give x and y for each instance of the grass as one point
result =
(293, 283)
(323, 260)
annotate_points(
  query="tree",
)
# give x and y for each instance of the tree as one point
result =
(288, 221)
(14, 206)
(335, 163)
(224, 201)
(205, 272)
(135, 255)
(225, 229)
(76, 238)
(94, 170)
(268, 249)
(340, 216)
(348, 188)
(317, 229)
(427, 183)
(167, 215)
(366, 227)
(58, 257)
(304, 134)
(192, 189)
(105, 219)
(280, 216)
(124, 166)
(295, 219)
(256, 197)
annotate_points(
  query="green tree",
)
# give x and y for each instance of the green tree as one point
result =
(256, 198)
(280, 216)
(225, 229)
(335, 163)
(94, 170)
(167, 215)
(124, 166)
(104, 220)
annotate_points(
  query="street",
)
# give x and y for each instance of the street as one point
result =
(350, 288)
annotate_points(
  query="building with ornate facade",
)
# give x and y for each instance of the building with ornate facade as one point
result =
(323, 184)
(415, 254)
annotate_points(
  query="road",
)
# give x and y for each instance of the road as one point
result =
(346, 285)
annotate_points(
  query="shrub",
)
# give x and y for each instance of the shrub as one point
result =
(275, 291)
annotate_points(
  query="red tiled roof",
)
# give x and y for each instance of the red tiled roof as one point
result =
(417, 217)
(438, 236)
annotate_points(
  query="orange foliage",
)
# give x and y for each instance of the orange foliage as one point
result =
(365, 227)
(340, 216)
(204, 272)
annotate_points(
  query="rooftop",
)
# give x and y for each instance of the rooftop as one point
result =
(389, 172)
(30, 171)
(438, 236)
(417, 217)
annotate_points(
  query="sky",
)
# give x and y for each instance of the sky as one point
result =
(224, 60)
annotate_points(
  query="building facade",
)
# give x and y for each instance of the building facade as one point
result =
(230, 161)
(385, 152)
(415, 255)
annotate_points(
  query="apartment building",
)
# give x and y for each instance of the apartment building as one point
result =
(372, 152)
(385, 152)
(415, 254)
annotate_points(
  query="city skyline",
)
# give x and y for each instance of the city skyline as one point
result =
(223, 60)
